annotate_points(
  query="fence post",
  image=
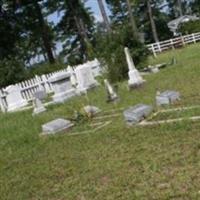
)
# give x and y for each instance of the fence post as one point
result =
(183, 40)
(153, 50)
(172, 43)
(158, 43)
(193, 38)
(46, 84)
(2, 104)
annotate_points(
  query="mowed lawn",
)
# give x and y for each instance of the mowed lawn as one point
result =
(115, 162)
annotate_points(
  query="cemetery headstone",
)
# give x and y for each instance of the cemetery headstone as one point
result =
(91, 110)
(62, 87)
(167, 97)
(14, 98)
(40, 94)
(56, 126)
(135, 79)
(112, 96)
(38, 106)
(85, 78)
(136, 114)
(72, 76)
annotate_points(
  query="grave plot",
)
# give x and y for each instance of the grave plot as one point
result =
(191, 113)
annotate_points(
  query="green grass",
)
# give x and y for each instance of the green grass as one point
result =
(116, 162)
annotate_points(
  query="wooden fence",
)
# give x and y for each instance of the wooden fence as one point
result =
(29, 87)
(173, 43)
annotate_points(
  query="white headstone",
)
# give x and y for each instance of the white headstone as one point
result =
(14, 98)
(38, 106)
(135, 79)
(72, 76)
(62, 87)
(112, 96)
(85, 78)
(56, 126)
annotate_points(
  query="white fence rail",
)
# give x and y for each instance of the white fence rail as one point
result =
(29, 87)
(173, 43)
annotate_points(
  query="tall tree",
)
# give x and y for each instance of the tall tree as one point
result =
(132, 20)
(179, 6)
(104, 15)
(35, 27)
(74, 30)
(153, 25)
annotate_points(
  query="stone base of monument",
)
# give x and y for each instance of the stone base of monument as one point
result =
(135, 80)
(167, 97)
(64, 96)
(56, 126)
(17, 106)
(37, 111)
(136, 114)
(112, 99)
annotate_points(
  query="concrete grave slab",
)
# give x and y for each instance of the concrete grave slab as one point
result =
(56, 126)
(167, 97)
(136, 114)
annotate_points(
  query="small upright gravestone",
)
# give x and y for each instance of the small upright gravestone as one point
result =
(91, 110)
(40, 94)
(62, 87)
(56, 126)
(137, 113)
(135, 79)
(14, 98)
(167, 97)
(85, 78)
(38, 106)
(112, 96)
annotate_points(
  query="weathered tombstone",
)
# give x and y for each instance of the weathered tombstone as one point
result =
(38, 106)
(56, 126)
(62, 87)
(72, 76)
(167, 97)
(112, 96)
(153, 69)
(135, 79)
(40, 94)
(91, 110)
(96, 67)
(14, 98)
(136, 114)
(85, 78)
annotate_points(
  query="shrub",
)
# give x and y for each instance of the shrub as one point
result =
(110, 51)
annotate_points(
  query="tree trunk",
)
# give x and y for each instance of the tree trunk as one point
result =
(44, 33)
(179, 4)
(153, 25)
(104, 15)
(132, 20)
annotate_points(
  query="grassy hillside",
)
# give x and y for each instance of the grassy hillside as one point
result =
(115, 162)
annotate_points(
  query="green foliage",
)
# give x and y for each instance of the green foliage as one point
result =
(110, 49)
(190, 27)
(116, 162)
(11, 71)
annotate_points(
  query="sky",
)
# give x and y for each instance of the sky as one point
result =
(92, 4)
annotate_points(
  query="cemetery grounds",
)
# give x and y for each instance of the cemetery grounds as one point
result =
(103, 158)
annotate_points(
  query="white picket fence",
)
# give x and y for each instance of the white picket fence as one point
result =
(173, 43)
(29, 87)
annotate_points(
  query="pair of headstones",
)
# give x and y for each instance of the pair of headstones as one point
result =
(67, 84)
(135, 114)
